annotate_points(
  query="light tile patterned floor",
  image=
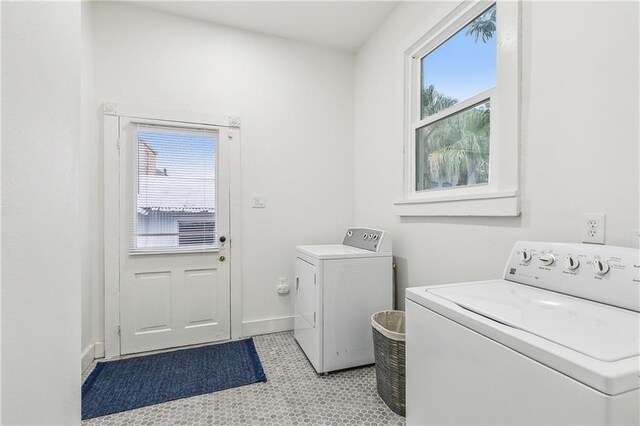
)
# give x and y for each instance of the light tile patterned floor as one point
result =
(293, 395)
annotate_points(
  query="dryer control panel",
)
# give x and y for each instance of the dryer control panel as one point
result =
(604, 274)
(368, 239)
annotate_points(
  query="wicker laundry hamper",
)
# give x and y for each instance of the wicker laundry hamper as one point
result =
(389, 349)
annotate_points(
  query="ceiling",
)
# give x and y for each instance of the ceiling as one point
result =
(344, 25)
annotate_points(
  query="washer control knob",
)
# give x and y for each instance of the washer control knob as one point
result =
(571, 262)
(546, 259)
(365, 236)
(525, 256)
(600, 267)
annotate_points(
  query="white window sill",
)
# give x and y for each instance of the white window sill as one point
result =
(505, 203)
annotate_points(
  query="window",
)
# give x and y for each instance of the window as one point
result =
(454, 150)
(175, 189)
(461, 148)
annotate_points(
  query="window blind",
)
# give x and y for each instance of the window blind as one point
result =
(175, 189)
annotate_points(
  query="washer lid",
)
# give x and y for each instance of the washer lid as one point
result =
(593, 343)
(599, 331)
(338, 251)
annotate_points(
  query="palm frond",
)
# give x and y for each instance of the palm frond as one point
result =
(434, 101)
(484, 26)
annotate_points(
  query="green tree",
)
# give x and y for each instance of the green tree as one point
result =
(434, 101)
(458, 147)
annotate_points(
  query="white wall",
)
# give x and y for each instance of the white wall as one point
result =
(579, 145)
(90, 200)
(296, 105)
(40, 258)
(0, 212)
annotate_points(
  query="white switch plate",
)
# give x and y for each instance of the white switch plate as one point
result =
(259, 201)
(594, 228)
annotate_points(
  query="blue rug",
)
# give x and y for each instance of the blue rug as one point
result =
(122, 385)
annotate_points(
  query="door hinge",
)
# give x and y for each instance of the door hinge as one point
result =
(119, 331)
(314, 317)
(314, 279)
(118, 144)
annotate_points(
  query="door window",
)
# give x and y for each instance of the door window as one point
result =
(175, 190)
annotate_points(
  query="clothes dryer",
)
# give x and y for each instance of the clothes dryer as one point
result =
(337, 289)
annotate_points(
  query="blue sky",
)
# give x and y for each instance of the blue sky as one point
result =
(182, 155)
(461, 67)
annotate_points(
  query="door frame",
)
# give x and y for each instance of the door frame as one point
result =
(111, 114)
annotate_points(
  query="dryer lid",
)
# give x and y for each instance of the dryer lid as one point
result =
(596, 330)
(338, 251)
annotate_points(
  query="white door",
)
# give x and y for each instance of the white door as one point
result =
(307, 324)
(305, 302)
(174, 223)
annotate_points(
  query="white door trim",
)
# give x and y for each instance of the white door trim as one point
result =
(111, 113)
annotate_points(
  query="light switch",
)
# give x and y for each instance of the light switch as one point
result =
(259, 201)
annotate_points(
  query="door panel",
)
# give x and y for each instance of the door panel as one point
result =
(305, 291)
(174, 205)
(152, 296)
(201, 295)
(307, 324)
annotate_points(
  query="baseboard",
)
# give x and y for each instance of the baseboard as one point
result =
(88, 355)
(264, 326)
(93, 351)
(99, 350)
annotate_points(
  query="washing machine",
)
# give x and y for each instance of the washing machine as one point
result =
(556, 341)
(337, 289)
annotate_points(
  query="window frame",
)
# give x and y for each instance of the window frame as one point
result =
(500, 196)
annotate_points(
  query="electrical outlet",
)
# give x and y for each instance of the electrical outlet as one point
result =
(594, 228)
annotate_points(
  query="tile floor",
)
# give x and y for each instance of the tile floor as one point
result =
(293, 395)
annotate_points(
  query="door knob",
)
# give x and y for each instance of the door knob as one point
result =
(221, 258)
